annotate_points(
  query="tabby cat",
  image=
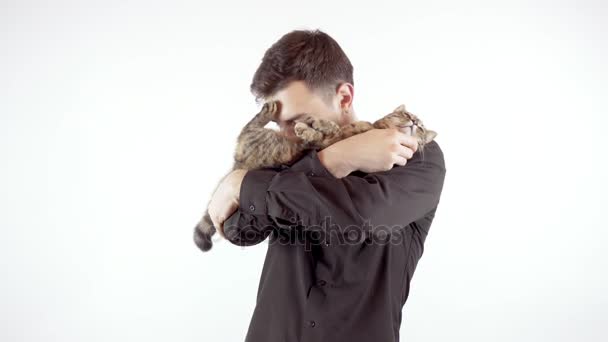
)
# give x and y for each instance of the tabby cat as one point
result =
(259, 147)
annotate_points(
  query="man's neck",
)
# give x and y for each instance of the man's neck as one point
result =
(347, 119)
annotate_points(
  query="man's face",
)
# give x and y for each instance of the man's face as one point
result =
(297, 101)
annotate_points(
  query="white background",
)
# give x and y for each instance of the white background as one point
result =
(118, 118)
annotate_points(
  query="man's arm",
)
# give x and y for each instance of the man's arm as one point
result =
(308, 194)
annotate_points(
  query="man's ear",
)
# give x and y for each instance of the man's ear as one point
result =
(346, 95)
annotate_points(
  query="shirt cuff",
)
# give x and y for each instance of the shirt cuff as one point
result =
(311, 165)
(252, 195)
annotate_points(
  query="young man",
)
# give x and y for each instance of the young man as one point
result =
(346, 226)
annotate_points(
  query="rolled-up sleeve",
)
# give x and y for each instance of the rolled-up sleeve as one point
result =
(308, 194)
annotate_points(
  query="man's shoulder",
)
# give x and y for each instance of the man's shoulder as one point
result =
(430, 153)
(433, 146)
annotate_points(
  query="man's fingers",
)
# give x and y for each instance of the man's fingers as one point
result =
(405, 152)
(399, 160)
(408, 140)
(216, 223)
(219, 226)
(406, 130)
(220, 229)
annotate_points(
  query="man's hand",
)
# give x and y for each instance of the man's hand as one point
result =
(372, 151)
(225, 199)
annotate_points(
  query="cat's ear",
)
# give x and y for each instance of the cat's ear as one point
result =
(400, 109)
(429, 135)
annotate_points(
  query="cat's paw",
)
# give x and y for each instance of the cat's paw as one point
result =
(270, 111)
(326, 127)
(307, 133)
(311, 129)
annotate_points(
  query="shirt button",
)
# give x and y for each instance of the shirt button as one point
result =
(312, 324)
(251, 207)
(311, 174)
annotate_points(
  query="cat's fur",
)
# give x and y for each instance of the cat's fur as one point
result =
(259, 147)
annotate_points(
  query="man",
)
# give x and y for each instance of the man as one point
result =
(346, 224)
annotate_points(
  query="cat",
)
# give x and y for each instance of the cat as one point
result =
(259, 147)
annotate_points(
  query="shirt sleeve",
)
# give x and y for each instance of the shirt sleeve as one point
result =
(307, 195)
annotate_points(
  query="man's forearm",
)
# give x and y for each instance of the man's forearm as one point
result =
(334, 162)
(372, 151)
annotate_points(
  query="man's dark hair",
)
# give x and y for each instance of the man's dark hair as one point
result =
(311, 56)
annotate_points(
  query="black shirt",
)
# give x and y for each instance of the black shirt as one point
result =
(341, 252)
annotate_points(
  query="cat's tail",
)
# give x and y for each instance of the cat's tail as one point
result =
(203, 232)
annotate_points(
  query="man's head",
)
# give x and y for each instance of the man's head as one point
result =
(308, 73)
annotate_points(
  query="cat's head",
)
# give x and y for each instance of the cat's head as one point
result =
(401, 118)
